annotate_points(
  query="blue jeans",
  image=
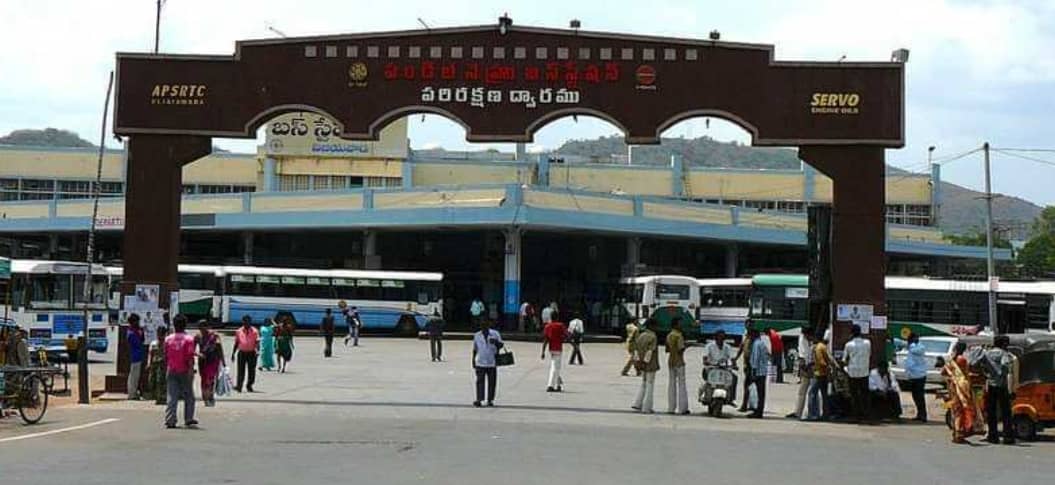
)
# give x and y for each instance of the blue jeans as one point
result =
(180, 386)
(817, 396)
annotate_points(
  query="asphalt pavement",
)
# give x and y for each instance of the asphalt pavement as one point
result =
(383, 413)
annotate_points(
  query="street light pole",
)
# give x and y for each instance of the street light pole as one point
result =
(157, 25)
(993, 324)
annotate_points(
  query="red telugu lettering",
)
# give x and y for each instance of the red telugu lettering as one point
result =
(471, 72)
(408, 72)
(532, 73)
(611, 71)
(428, 70)
(571, 75)
(552, 72)
(592, 74)
(499, 73)
(448, 72)
(391, 71)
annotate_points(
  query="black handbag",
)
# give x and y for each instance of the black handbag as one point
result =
(504, 358)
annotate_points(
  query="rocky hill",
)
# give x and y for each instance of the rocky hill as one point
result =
(963, 209)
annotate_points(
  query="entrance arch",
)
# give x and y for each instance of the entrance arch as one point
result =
(502, 82)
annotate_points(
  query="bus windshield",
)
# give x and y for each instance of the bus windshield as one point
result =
(49, 291)
(97, 296)
(672, 292)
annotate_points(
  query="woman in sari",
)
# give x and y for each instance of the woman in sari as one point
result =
(210, 352)
(284, 344)
(267, 345)
(156, 368)
(961, 401)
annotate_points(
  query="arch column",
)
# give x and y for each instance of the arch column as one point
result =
(858, 230)
(511, 292)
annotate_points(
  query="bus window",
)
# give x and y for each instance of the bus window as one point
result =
(98, 290)
(318, 288)
(239, 284)
(392, 290)
(292, 286)
(344, 288)
(756, 306)
(50, 291)
(268, 285)
(368, 289)
(634, 293)
(672, 292)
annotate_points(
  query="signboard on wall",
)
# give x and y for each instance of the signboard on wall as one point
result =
(314, 135)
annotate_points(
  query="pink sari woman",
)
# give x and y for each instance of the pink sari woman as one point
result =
(210, 359)
(961, 402)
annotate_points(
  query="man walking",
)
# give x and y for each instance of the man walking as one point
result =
(997, 363)
(179, 364)
(434, 326)
(328, 328)
(760, 359)
(631, 335)
(858, 353)
(677, 394)
(647, 362)
(576, 332)
(476, 309)
(486, 344)
(549, 313)
(136, 355)
(916, 371)
(351, 317)
(804, 362)
(246, 343)
(553, 335)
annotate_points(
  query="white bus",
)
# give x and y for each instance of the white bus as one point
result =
(199, 298)
(663, 297)
(386, 300)
(47, 299)
(724, 305)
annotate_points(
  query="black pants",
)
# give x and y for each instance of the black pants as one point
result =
(861, 401)
(436, 346)
(918, 397)
(576, 352)
(491, 374)
(328, 351)
(760, 388)
(778, 362)
(246, 359)
(886, 405)
(998, 405)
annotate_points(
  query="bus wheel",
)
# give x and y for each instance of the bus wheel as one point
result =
(407, 326)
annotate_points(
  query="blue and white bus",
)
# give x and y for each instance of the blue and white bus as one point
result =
(397, 301)
(724, 305)
(46, 298)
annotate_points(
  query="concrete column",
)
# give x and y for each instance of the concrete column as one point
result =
(247, 248)
(633, 255)
(935, 194)
(809, 178)
(370, 258)
(270, 178)
(677, 176)
(521, 152)
(732, 260)
(543, 169)
(513, 251)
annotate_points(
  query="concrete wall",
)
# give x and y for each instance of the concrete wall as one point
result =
(608, 178)
(454, 173)
(745, 185)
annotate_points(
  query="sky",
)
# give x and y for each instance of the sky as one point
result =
(978, 70)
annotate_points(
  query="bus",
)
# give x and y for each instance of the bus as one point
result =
(663, 297)
(198, 295)
(46, 298)
(387, 300)
(723, 306)
(928, 307)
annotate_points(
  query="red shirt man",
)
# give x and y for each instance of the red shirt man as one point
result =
(553, 339)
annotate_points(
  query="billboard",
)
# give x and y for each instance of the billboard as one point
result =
(315, 135)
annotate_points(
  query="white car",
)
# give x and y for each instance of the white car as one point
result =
(935, 347)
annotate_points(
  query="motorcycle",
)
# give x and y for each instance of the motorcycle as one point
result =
(719, 387)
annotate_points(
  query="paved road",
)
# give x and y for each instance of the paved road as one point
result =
(382, 413)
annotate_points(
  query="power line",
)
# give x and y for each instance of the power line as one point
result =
(1044, 150)
(1025, 157)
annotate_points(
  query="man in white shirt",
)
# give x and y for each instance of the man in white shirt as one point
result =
(576, 332)
(718, 350)
(547, 313)
(524, 315)
(886, 394)
(486, 343)
(858, 352)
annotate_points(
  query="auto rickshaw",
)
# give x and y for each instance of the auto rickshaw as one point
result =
(1034, 405)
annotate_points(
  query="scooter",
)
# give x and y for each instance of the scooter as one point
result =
(719, 387)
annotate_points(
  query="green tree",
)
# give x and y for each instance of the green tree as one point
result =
(1038, 256)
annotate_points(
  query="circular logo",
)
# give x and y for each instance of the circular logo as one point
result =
(646, 75)
(905, 331)
(358, 72)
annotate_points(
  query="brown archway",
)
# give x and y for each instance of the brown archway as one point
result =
(501, 82)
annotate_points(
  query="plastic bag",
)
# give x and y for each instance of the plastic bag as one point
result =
(752, 397)
(224, 383)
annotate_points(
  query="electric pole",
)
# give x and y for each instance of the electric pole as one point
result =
(993, 324)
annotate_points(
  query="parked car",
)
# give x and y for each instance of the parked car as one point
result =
(935, 347)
